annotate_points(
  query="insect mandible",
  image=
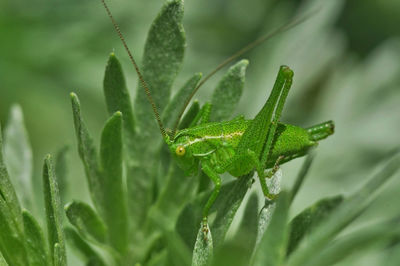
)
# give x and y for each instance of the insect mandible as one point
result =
(238, 146)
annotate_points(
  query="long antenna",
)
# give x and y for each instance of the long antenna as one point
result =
(283, 28)
(142, 82)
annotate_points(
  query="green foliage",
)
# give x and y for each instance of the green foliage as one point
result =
(145, 210)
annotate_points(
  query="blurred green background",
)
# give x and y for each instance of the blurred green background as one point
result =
(346, 60)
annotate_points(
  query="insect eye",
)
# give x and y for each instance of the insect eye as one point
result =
(180, 151)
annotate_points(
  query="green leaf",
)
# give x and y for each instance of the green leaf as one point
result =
(59, 255)
(114, 202)
(82, 247)
(191, 113)
(309, 218)
(61, 167)
(36, 246)
(162, 59)
(11, 237)
(86, 221)
(18, 155)
(226, 205)
(191, 215)
(247, 232)
(118, 99)
(343, 215)
(356, 242)
(88, 155)
(171, 112)
(272, 246)
(3, 261)
(178, 253)
(203, 248)
(302, 175)
(227, 94)
(53, 213)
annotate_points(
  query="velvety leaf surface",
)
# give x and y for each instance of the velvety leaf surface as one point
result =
(86, 221)
(272, 246)
(61, 166)
(36, 246)
(227, 94)
(82, 247)
(117, 98)
(343, 215)
(226, 205)
(203, 248)
(114, 198)
(309, 218)
(171, 112)
(53, 213)
(18, 155)
(162, 59)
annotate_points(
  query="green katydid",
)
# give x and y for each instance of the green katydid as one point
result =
(238, 146)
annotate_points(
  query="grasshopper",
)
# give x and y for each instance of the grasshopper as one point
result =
(238, 146)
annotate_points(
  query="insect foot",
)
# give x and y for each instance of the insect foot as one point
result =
(205, 229)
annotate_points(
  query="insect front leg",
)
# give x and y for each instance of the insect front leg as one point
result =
(203, 116)
(271, 172)
(216, 179)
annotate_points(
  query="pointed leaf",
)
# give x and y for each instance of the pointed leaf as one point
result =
(11, 237)
(308, 219)
(247, 232)
(203, 248)
(272, 247)
(18, 155)
(86, 221)
(171, 112)
(355, 242)
(226, 205)
(59, 256)
(118, 99)
(53, 213)
(302, 174)
(114, 203)
(36, 246)
(343, 215)
(62, 171)
(162, 59)
(88, 154)
(82, 247)
(8, 194)
(228, 92)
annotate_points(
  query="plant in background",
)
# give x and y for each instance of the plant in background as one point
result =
(146, 211)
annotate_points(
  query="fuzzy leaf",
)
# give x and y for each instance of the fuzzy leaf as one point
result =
(162, 59)
(355, 242)
(228, 92)
(171, 112)
(36, 246)
(11, 237)
(53, 213)
(203, 248)
(247, 232)
(86, 221)
(82, 247)
(62, 171)
(191, 113)
(191, 215)
(11, 223)
(343, 215)
(309, 218)
(114, 203)
(118, 99)
(18, 155)
(272, 247)
(3, 261)
(302, 175)
(88, 154)
(59, 255)
(226, 206)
